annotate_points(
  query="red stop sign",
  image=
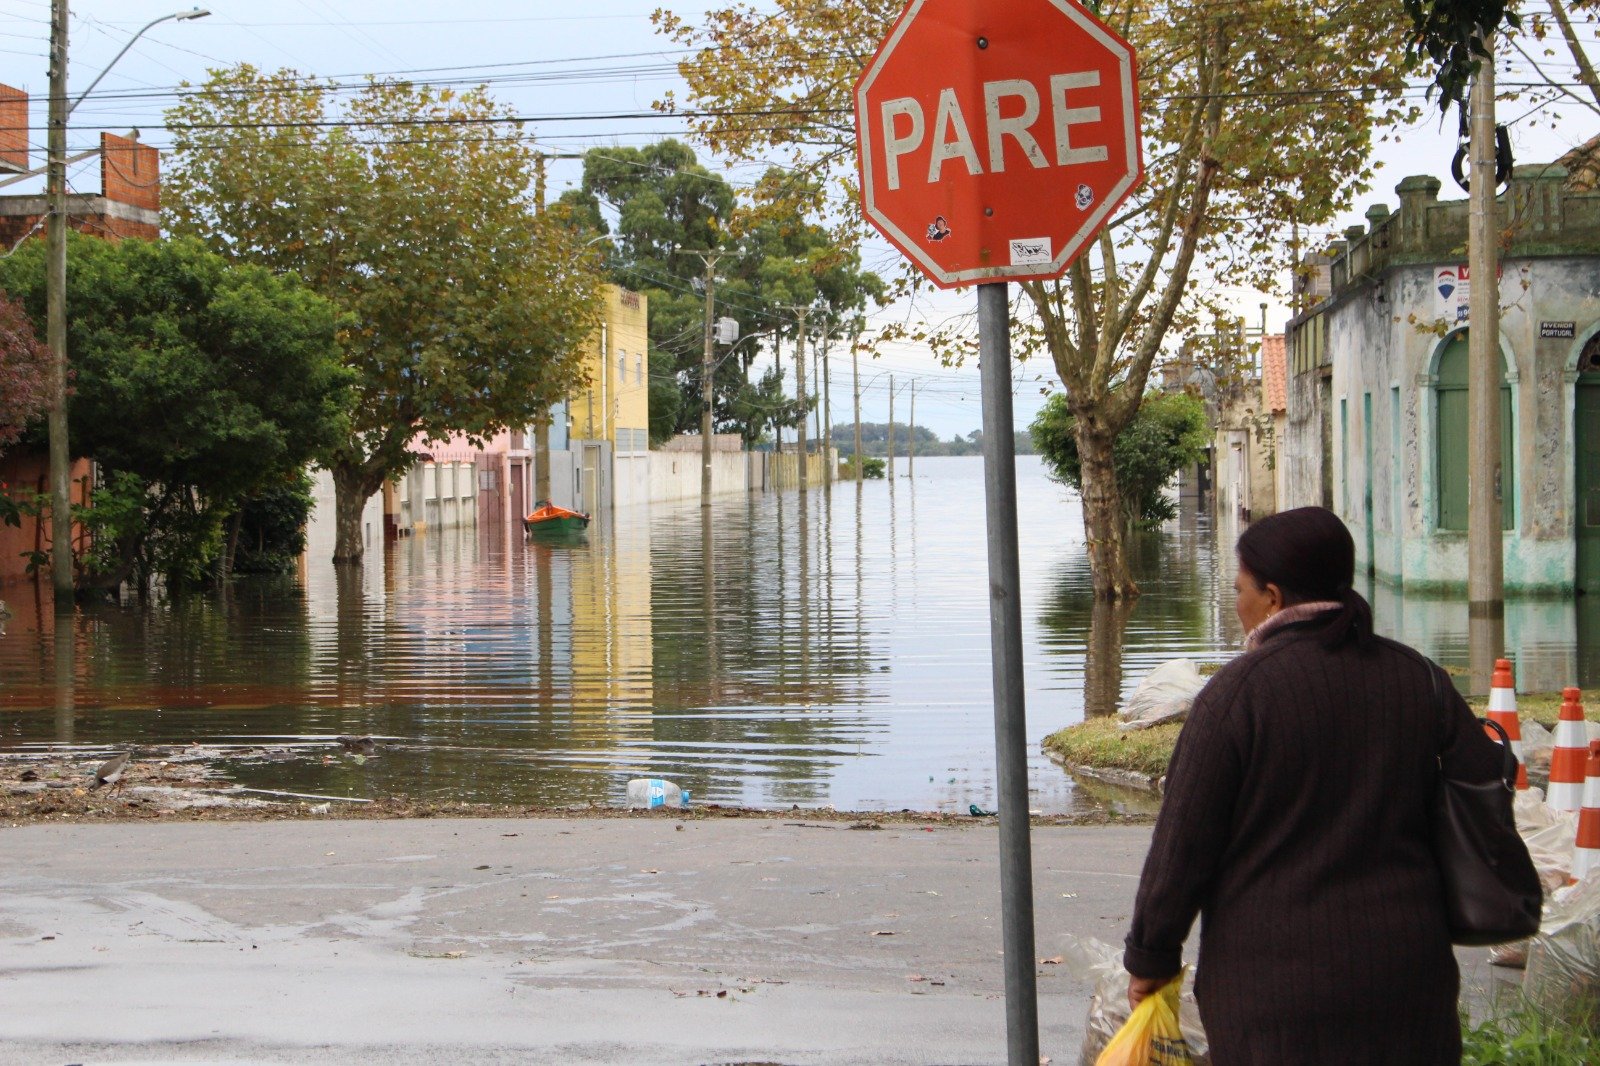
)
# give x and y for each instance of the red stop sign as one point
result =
(996, 138)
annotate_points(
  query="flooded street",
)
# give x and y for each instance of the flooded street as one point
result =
(835, 653)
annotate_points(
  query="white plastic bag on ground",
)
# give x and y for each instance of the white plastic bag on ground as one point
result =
(1091, 960)
(1563, 975)
(1549, 836)
(1537, 744)
(1165, 695)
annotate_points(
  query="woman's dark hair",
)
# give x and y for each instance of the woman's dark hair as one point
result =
(1307, 552)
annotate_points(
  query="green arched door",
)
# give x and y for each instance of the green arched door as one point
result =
(1453, 442)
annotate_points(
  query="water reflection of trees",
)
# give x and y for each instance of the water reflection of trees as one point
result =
(1178, 614)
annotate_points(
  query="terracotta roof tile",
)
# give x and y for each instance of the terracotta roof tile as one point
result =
(1274, 373)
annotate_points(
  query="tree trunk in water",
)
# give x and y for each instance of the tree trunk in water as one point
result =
(1102, 658)
(352, 487)
(231, 550)
(1103, 515)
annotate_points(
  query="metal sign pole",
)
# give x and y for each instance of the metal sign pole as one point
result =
(1005, 638)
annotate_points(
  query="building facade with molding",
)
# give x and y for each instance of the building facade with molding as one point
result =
(1378, 424)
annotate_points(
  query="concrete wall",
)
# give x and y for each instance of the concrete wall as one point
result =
(1243, 450)
(563, 481)
(1300, 446)
(781, 470)
(676, 475)
(444, 495)
(631, 478)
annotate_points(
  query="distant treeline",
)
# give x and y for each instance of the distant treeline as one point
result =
(875, 440)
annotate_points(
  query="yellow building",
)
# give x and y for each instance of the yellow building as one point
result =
(610, 420)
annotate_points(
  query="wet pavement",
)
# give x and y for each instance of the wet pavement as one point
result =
(648, 940)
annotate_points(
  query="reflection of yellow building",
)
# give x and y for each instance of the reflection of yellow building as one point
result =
(611, 418)
(612, 645)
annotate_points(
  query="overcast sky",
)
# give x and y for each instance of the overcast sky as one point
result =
(584, 80)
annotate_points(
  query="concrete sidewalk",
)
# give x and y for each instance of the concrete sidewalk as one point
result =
(553, 941)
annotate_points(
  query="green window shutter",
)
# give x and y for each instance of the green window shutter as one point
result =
(1453, 441)
(1452, 459)
(1508, 461)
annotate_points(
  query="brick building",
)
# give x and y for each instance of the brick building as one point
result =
(127, 205)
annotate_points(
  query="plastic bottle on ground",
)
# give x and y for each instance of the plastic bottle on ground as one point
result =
(649, 792)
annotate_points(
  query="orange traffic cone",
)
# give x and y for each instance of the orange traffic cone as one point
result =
(1503, 711)
(1570, 755)
(1586, 857)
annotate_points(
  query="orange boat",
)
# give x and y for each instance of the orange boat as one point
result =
(549, 520)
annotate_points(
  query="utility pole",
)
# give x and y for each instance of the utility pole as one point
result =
(1485, 553)
(800, 389)
(56, 312)
(61, 575)
(827, 416)
(855, 377)
(816, 378)
(891, 429)
(707, 372)
(911, 448)
(541, 421)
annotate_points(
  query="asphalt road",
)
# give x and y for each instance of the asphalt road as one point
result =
(539, 941)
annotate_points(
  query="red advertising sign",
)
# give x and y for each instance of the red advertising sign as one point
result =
(997, 138)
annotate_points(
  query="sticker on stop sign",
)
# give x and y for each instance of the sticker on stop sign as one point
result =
(996, 140)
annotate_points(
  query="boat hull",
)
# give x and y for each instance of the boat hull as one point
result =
(548, 520)
(556, 527)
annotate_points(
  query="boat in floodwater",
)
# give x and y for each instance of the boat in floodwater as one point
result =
(548, 520)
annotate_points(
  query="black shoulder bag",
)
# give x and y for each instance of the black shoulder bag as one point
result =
(1492, 893)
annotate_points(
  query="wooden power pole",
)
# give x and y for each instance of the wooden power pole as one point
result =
(1485, 551)
(801, 443)
(707, 375)
(890, 448)
(61, 574)
(911, 434)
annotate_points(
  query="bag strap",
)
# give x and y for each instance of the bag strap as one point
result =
(1508, 771)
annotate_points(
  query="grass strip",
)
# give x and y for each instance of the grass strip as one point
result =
(1526, 1036)
(1099, 743)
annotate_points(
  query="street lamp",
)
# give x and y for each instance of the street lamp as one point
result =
(178, 16)
(56, 287)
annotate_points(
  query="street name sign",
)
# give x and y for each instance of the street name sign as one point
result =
(996, 139)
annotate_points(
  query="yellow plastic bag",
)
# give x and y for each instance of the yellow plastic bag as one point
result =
(1150, 1036)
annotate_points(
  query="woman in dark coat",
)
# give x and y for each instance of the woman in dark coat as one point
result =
(1296, 824)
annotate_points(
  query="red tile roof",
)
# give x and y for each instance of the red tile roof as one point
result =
(1274, 373)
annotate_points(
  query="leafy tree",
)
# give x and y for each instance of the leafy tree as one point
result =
(665, 396)
(1169, 432)
(197, 385)
(24, 372)
(875, 440)
(269, 532)
(409, 208)
(1257, 117)
(872, 468)
(1575, 23)
(1453, 35)
(667, 205)
(762, 404)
